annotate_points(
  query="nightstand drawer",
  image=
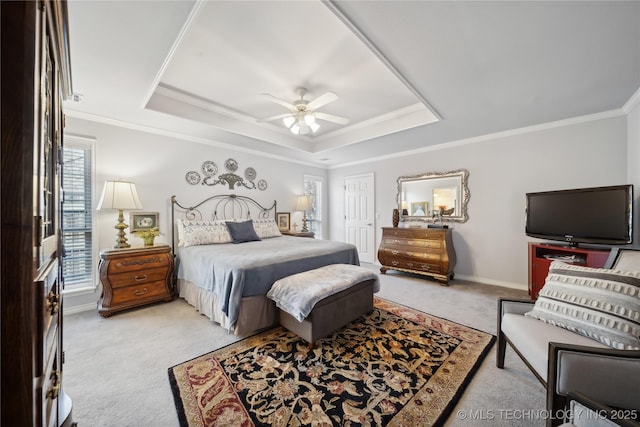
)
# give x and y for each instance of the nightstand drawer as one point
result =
(148, 290)
(143, 262)
(138, 277)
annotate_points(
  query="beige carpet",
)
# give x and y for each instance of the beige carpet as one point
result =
(116, 368)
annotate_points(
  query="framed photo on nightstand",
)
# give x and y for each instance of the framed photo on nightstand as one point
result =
(141, 221)
(284, 220)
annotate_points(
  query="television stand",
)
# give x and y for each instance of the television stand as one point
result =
(541, 255)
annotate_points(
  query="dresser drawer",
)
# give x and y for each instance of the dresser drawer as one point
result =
(412, 252)
(414, 233)
(141, 262)
(410, 264)
(139, 277)
(404, 241)
(139, 292)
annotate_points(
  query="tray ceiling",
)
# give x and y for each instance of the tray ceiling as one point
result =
(408, 74)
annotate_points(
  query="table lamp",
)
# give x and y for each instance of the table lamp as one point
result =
(120, 195)
(304, 204)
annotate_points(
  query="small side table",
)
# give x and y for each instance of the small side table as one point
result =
(134, 276)
(300, 234)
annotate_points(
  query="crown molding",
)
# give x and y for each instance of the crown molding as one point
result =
(182, 136)
(633, 102)
(487, 137)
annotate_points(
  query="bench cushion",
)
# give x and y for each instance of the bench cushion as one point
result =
(298, 294)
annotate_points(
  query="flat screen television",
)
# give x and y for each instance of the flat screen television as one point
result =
(598, 215)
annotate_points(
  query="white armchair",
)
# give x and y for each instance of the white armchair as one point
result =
(567, 362)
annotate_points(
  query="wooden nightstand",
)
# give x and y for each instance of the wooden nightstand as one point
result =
(299, 234)
(133, 277)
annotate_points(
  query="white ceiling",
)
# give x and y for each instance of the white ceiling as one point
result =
(408, 74)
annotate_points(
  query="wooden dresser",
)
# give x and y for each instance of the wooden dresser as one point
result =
(427, 251)
(135, 276)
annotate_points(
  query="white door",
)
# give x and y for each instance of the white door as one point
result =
(358, 215)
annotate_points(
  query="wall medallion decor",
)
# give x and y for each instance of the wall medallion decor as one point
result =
(250, 174)
(231, 165)
(192, 177)
(210, 169)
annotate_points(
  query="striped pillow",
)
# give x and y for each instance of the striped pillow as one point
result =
(598, 303)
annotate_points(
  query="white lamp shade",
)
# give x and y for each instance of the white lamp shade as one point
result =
(119, 195)
(288, 121)
(303, 203)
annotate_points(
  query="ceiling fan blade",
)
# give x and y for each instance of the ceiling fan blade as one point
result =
(323, 99)
(331, 118)
(282, 102)
(272, 118)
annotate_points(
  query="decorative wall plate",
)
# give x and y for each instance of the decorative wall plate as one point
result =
(209, 168)
(250, 174)
(262, 184)
(192, 177)
(231, 165)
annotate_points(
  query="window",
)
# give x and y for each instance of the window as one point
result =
(313, 188)
(78, 267)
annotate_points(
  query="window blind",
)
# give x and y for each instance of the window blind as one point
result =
(77, 233)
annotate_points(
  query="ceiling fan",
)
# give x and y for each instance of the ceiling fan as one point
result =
(302, 115)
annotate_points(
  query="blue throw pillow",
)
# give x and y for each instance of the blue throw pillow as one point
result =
(242, 231)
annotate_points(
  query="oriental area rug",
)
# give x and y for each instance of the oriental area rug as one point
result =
(396, 366)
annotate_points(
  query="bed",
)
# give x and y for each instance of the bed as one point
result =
(228, 282)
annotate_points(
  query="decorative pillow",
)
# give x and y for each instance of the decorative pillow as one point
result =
(242, 231)
(598, 303)
(266, 228)
(202, 233)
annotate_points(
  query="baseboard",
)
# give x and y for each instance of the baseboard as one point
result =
(79, 308)
(484, 280)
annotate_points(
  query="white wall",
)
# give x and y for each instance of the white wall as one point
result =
(492, 247)
(633, 159)
(158, 164)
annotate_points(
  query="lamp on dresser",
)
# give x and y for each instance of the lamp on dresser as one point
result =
(120, 195)
(303, 204)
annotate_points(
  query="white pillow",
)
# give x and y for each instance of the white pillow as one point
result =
(266, 228)
(193, 233)
(598, 303)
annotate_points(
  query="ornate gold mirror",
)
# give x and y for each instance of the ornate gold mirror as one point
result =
(434, 196)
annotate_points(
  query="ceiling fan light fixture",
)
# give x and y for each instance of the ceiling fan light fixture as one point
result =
(309, 119)
(289, 121)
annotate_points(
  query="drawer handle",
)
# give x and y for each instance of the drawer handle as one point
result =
(53, 391)
(395, 263)
(395, 252)
(140, 278)
(140, 293)
(425, 267)
(52, 302)
(396, 241)
(410, 264)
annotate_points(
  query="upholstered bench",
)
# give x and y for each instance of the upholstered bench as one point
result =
(315, 303)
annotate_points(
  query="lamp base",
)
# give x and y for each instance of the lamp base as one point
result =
(121, 241)
(304, 222)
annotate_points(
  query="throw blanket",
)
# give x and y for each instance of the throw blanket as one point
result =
(299, 293)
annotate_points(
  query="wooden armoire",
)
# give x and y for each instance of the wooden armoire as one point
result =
(35, 74)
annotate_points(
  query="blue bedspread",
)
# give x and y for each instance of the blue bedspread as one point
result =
(233, 271)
